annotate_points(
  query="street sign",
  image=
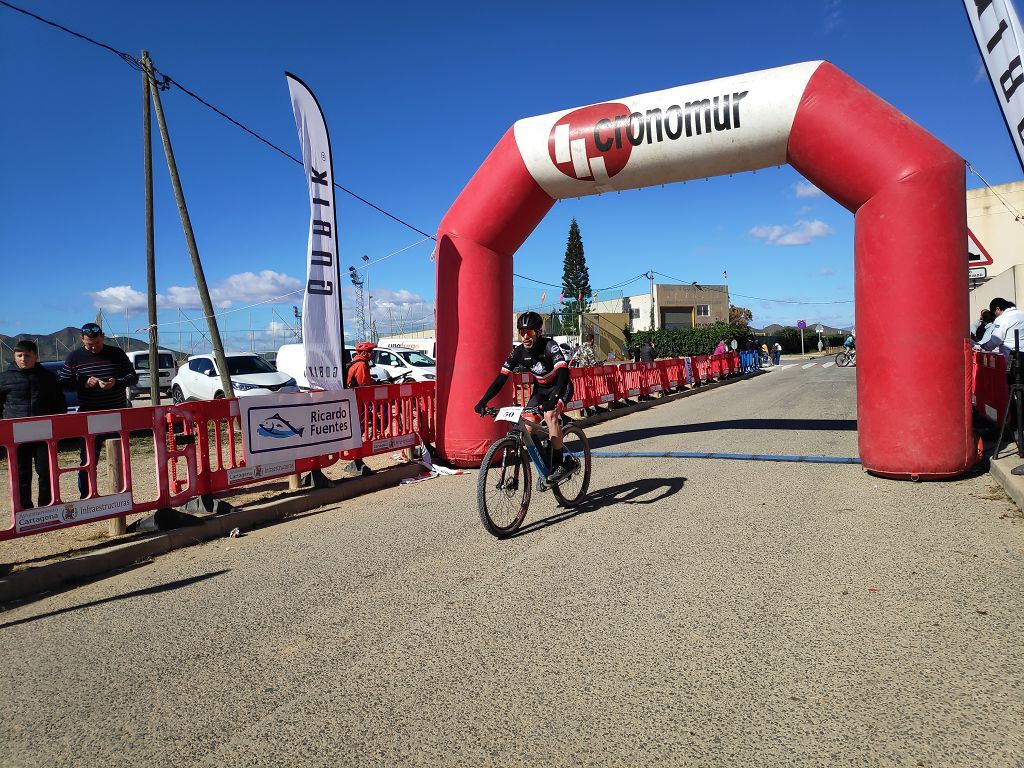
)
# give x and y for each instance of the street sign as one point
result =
(977, 273)
(977, 256)
(820, 328)
(801, 324)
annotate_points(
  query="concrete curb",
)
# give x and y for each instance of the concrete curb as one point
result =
(999, 469)
(46, 578)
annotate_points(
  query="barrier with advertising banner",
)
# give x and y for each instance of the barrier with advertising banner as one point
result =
(278, 427)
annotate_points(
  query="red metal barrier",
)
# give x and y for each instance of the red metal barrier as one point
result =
(673, 373)
(651, 378)
(583, 389)
(605, 384)
(701, 368)
(630, 381)
(991, 390)
(71, 429)
(197, 449)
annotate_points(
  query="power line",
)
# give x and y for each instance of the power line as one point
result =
(745, 296)
(167, 81)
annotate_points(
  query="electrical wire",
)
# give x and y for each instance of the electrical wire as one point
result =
(1017, 216)
(745, 296)
(167, 81)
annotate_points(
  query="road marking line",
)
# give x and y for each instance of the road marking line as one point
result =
(809, 365)
(828, 365)
(734, 456)
(790, 365)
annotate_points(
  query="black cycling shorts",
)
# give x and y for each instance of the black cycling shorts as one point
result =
(542, 394)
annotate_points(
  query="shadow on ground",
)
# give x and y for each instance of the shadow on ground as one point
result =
(648, 491)
(154, 590)
(632, 435)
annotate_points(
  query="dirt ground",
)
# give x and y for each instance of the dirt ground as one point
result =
(46, 547)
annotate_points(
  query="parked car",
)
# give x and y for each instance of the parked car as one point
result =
(166, 368)
(54, 366)
(250, 375)
(291, 359)
(395, 362)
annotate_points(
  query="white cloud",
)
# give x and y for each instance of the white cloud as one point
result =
(801, 233)
(241, 289)
(826, 271)
(806, 189)
(118, 298)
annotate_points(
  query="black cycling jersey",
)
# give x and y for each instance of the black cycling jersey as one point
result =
(542, 361)
(546, 364)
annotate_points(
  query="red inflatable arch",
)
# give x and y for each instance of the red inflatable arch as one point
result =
(904, 186)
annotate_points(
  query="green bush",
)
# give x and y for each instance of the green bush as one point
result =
(685, 342)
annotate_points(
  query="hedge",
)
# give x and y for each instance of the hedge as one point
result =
(684, 342)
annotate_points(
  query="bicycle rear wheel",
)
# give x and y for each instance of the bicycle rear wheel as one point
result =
(503, 487)
(842, 360)
(571, 491)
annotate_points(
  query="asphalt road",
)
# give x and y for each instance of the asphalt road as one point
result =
(694, 612)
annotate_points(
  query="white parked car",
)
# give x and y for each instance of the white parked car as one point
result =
(140, 362)
(395, 362)
(198, 379)
(291, 359)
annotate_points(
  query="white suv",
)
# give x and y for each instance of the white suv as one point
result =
(250, 375)
(396, 361)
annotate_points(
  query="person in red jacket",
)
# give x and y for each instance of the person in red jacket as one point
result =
(359, 376)
(359, 368)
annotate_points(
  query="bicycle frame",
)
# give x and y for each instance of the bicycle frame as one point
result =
(524, 434)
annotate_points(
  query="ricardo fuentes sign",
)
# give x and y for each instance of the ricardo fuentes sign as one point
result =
(285, 427)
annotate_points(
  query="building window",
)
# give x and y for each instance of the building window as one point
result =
(634, 314)
(703, 310)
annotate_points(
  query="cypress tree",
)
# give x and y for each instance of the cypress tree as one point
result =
(575, 279)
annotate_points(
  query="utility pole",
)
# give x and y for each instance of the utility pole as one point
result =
(650, 276)
(147, 162)
(298, 323)
(193, 249)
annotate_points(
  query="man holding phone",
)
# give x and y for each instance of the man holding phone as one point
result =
(100, 374)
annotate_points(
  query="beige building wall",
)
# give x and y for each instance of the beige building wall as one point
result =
(991, 216)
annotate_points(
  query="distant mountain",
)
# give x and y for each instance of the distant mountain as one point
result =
(57, 345)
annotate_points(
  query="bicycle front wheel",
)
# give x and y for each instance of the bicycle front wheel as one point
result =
(503, 487)
(571, 491)
(842, 360)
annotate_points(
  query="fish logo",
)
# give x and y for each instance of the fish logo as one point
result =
(278, 427)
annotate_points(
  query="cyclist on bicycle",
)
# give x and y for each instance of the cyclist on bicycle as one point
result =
(552, 387)
(850, 344)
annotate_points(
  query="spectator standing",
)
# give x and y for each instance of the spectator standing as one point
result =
(359, 376)
(585, 355)
(776, 353)
(359, 368)
(28, 389)
(1007, 320)
(100, 373)
(984, 329)
(647, 352)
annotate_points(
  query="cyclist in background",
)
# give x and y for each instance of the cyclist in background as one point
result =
(552, 387)
(850, 344)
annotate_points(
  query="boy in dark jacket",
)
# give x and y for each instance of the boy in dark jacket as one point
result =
(28, 389)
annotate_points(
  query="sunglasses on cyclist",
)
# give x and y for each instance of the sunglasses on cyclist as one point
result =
(527, 333)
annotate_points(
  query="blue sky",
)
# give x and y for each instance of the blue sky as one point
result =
(415, 96)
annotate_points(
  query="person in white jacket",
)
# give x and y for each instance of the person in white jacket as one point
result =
(1007, 320)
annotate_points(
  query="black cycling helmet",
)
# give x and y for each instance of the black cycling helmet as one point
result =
(531, 321)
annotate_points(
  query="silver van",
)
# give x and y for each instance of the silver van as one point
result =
(166, 371)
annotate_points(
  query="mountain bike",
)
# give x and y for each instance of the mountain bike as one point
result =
(504, 484)
(846, 358)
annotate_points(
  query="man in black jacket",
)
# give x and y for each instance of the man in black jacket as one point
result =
(101, 374)
(28, 389)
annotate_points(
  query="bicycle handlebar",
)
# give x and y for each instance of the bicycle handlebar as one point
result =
(494, 411)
